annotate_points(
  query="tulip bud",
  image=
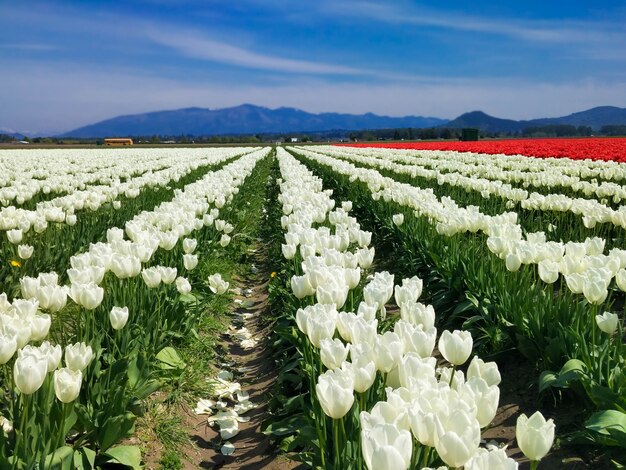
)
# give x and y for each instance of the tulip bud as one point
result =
(67, 384)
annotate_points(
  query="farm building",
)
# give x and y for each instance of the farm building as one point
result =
(118, 142)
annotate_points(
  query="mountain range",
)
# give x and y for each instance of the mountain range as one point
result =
(594, 118)
(251, 119)
(244, 119)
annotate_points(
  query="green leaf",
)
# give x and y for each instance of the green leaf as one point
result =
(115, 429)
(285, 427)
(169, 359)
(60, 459)
(125, 455)
(188, 298)
(84, 459)
(602, 421)
(547, 379)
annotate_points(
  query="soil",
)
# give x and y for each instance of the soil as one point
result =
(253, 449)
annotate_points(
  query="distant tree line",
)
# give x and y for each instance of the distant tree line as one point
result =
(433, 133)
(557, 130)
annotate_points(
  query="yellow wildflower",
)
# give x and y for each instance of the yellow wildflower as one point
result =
(15, 263)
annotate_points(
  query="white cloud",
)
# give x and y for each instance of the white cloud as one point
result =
(195, 45)
(543, 32)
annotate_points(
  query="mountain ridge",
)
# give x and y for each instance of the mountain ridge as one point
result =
(242, 119)
(251, 119)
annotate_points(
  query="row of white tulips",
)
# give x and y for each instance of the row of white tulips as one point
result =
(585, 267)
(592, 178)
(591, 211)
(25, 323)
(155, 172)
(426, 407)
(27, 173)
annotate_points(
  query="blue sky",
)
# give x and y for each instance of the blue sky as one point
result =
(67, 64)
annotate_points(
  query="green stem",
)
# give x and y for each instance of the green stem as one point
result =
(452, 375)
(534, 464)
(336, 441)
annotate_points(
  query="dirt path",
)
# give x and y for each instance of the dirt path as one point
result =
(255, 371)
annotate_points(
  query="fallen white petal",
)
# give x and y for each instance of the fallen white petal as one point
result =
(228, 448)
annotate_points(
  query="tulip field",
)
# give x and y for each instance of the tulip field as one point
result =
(407, 285)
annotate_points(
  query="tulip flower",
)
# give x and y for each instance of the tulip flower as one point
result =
(488, 371)
(224, 241)
(607, 322)
(217, 284)
(67, 384)
(364, 373)
(14, 236)
(52, 298)
(87, 295)
(398, 219)
(78, 356)
(189, 245)
(25, 251)
(489, 459)
(335, 392)
(8, 346)
(409, 291)
(459, 440)
(456, 347)
(385, 447)
(513, 262)
(118, 317)
(548, 271)
(51, 353)
(168, 275)
(289, 250)
(152, 277)
(39, 326)
(418, 314)
(29, 372)
(190, 261)
(182, 285)
(534, 435)
(620, 279)
(485, 397)
(333, 352)
(389, 350)
(301, 286)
